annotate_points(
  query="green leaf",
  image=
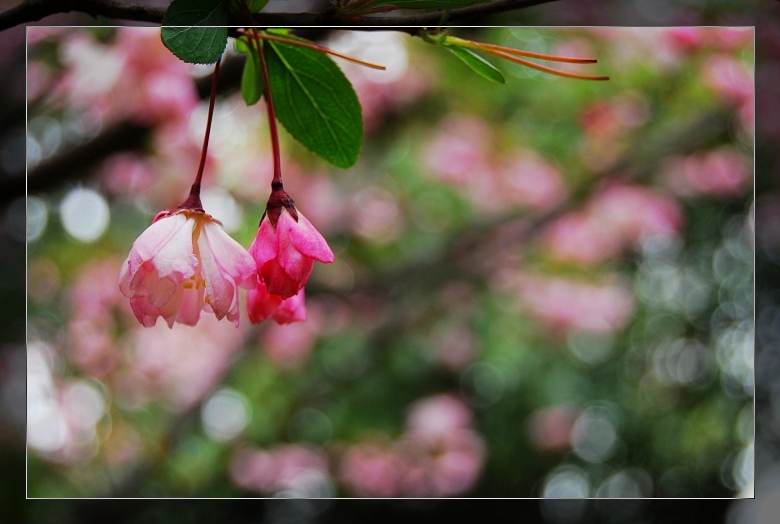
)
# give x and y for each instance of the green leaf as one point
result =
(185, 33)
(255, 6)
(315, 102)
(252, 86)
(478, 64)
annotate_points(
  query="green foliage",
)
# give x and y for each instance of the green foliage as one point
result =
(315, 102)
(194, 30)
(255, 6)
(478, 64)
(252, 86)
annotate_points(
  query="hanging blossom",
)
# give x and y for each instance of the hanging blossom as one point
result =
(285, 249)
(182, 264)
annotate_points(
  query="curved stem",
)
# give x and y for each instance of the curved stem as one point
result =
(193, 201)
(276, 182)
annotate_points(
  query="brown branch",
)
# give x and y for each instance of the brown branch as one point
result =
(34, 10)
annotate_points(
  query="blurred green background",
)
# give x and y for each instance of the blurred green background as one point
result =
(541, 289)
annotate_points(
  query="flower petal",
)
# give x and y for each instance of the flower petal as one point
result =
(278, 281)
(259, 304)
(305, 237)
(297, 265)
(225, 266)
(292, 309)
(265, 245)
(232, 257)
(191, 305)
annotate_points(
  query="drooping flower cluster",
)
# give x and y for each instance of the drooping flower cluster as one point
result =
(182, 264)
(285, 249)
(185, 263)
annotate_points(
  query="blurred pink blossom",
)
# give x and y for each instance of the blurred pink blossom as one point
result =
(459, 151)
(636, 211)
(729, 77)
(733, 81)
(564, 304)
(100, 74)
(381, 93)
(179, 366)
(454, 345)
(372, 470)
(550, 428)
(184, 263)
(438, 455)
(723, 172)
(95, 304)
(686, 39)
(290, 345)
(375, 214)
(277, 469)
(438, 414)
(618, 216)
(528, 180)
(441, 464)
(579, 237)
(127, 174)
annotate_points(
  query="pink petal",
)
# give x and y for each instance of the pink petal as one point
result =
(295, 264)
(292, 309)
(191, 305)
(167, 244)
(225, 266)
(145, 312)
(259, 304)
(175, 258)
(278, 281)
(265, 245)
(305, 237)
(232, 257)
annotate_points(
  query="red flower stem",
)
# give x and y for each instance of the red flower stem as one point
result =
(276, 181)
(193, 201)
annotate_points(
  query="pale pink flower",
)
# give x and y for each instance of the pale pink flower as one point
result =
(722, 172)
(285, 252)
(277, 469)
(550, 428)
(579, 237)
(566, 305)
(438, 415)
(184, 263)
(261, 305)
(373, 470)
(442, 464)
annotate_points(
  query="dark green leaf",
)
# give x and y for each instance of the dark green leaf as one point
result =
(186, 34)
(478, 64)
(252, 85)
(315, 102)
(255, 6)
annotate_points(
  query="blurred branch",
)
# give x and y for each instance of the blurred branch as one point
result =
(34, 10)
(77, 162)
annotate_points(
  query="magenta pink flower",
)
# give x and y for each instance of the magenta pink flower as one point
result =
(261, 305)
(184, 263)
(285, 252)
